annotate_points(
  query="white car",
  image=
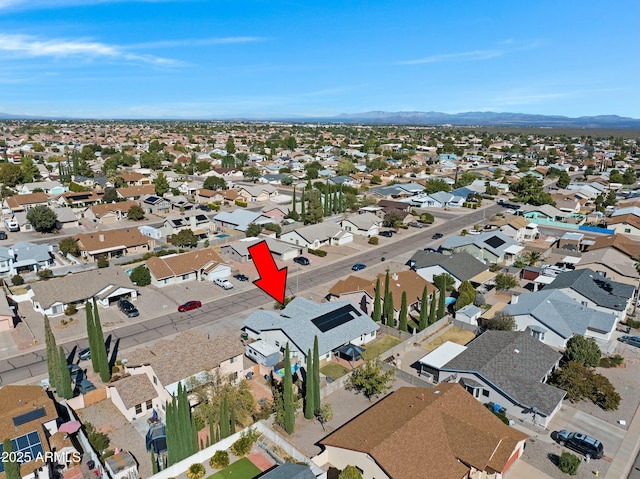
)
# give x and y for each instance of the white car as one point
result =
(223, 283)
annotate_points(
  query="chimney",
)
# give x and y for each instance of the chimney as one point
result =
(101, 238)
(514, 299)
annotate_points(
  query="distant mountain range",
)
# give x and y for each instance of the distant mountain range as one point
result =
(473, 118)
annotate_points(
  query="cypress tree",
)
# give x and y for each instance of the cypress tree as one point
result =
(340, 201)
(232, 420)
(212, 434)
(377, 307)
(293, 206)
(154, 463)
(389, 310)
(64, 388)
(442, 297)
(53, 363)
(326, 199)
(224, 418)
(402, 318)
(424, 312)
(386, 285)
(317, 403)
(308, 388)
(302, 205)
(289, 406)
(91, 334)
(432, 309)
(11, 465)
(173, 436)
(103, 360)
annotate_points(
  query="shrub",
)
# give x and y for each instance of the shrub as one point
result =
(374, 240)
(427, 218)
(240, 203)
(103, 262)
(70, 310)
(581, 383)
(243, 445)
(98, 440)
(45, 274)
(214, 206)
(196, 471)
(17, 280)
(141, 276)
(569, 463)
(318, 252)
(611, 361)
(632, 323)
(219, 460)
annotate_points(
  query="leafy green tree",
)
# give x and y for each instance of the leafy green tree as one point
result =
(224, 418)
(530, 190)
(29, 170)
(435, 185)
(289, 406)
(370, 380)
(69, 245)
(43, 219)
(629, 177)
(582, 383)
(10, 174)
(583, 350)
(161, 184)
(92, 335)
(184, 237)
(135, 213)
(141, 276)
(563, 180)
(402, 317)
(180, 430)
(252, 173)
(17, 280)
(615, 176)
(505, 281)
(466, 295)
(389, 310)
(230, 146)
(501, 321)
(110, 195)
(393, 219)
(442, 295)
(569, 463)
(214, 183)
(253, 230)
(444, 281)
(324, 414)
(219, 460)
(65, 390)
(350, 472)
(377, 307)
(11, 465)
(314, 211)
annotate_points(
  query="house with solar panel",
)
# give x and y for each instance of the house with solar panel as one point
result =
(336, 324)
(493, 247)
(29, 418)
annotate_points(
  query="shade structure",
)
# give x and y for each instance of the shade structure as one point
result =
(70, 427)
(351, 351)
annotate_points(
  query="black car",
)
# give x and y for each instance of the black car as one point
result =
(241, 277)
(437, 236)
(128, 308)
(84, 354)
(586, 445)
(386, 234)
(302, 260)
(3, 235)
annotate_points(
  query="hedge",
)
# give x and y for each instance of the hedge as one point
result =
(240, 203)
(318, 252)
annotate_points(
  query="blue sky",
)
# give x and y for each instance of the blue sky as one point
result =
(235, 58)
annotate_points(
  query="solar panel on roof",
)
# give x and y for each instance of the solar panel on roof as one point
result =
(333, 319)
(29, 416)
(27, 447)
(151, 199)
(495, 242)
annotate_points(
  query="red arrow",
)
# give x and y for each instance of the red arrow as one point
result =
(272, 280)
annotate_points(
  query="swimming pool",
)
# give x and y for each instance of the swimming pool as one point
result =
(294, 369)
(221, 235)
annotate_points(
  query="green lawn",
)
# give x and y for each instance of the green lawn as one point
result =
(241, 469)
(334, 370)
(379, 346)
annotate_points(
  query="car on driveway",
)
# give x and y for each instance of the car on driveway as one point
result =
(416, 224)
(241, 277)
(632, 340)
(84, 354)
(386, 233)
(302, 260)
(3, 235)
(588, 446)
(223, 283)
(189, 305)
(128, 308)
(358, 266)
(437, 236)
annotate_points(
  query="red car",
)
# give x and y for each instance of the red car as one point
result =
(189, 305)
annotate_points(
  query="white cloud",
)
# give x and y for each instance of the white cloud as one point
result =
(30, 46)
(463, 56)
(196, 42)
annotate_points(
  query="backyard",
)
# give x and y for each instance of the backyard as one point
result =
(242, 468)
(334, 370)
(380, 345)
(453, 334)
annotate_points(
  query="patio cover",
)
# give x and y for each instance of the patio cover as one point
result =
(351, 350)
(482, 278)
(571, 259)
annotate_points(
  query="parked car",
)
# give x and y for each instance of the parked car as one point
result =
(241, 277)
(84, 354)
(223, 283)
(128, 308)
(302, 260)
(3, 235)
(386, 233)
(85, 386)
(189, 305)
(588, 446)
(437, 236)
(203, 207)
(632, 340)
(416, 224)
(358, 266)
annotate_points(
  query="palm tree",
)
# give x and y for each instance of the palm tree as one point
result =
(533, 257)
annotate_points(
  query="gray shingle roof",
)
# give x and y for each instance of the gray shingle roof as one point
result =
(460, 265)
(295, 321)
(495, 242)
(290, 471)
(493, 356)
(600, 290)
(560, 313)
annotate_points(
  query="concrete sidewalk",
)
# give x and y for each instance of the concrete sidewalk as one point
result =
(626, 454)
(523, 470)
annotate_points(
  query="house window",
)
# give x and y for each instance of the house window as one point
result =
(360, 470)
(149, 404)
(485, 393)
(155, 380)
(233, 360)
(185, 277)
(138, 408)
(627, 230)
(539, 335)
(277, 344)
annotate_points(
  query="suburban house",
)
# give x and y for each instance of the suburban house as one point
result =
(199, 265)
(29, 418)
(52, 188)
(335, 324)
(550, 215)
(16, 203)
(390, 205)
(240, 219)
(154, 204)
(107, 213)
(516, 227)
(461, 266)
(25, 257)
(506, 368)
(133, 178)
(593, 290)
(628, 224)
(135, 192)
(205, 197)
(553, 317)
(113, 243)
(362, 291)
(315, 236)
(106, 285)
(620, 242)
(471, 441)
(80, 199)
(169, 362)
(239, 250)
(440, 199)
(493, 247)
(612, 263)
(255, 193)
(228, 174)
(199, 223)
(362, 224)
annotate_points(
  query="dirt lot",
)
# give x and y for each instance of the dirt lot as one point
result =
(453, 334)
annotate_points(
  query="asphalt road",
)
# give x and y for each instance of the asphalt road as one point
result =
(34, 363)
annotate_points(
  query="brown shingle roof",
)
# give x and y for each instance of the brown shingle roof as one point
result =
(169, 266)
(103, 209)
(629, 219)
(131, 191)
(134, 390)
(188, 353)
(445, 427)
(107, 239)
(28, 199)
(618, 241)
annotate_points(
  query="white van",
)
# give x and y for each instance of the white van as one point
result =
(11, 224)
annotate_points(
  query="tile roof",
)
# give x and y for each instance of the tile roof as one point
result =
(134, 390)
(602, 291)
(188, 353)
(179, 264)
(104, 208)
(460, 265)
(139, 190)
(108, 239)
(516, 363)
(398, 433)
